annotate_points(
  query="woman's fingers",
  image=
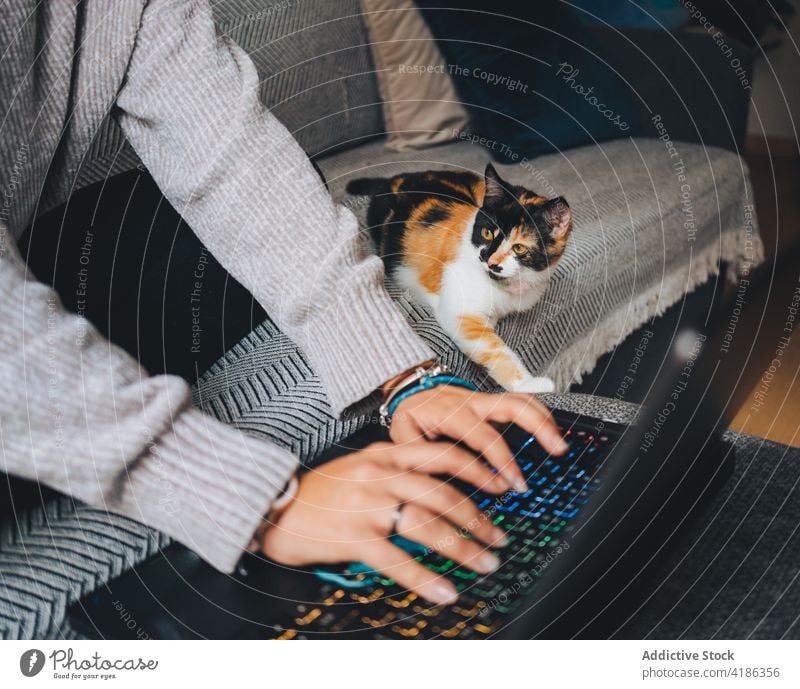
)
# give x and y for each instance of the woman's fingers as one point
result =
(395, 563)
(524, 411)
(487, 441)
(444, 458)
(420, 525)
(405, 428)
(468, 417)
(444, 500)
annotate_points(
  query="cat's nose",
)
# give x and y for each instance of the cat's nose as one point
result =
(495, 267)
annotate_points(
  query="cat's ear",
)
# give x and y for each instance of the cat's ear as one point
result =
(495, 188)
(558, 216)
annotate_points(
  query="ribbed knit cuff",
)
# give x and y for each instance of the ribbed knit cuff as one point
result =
(208, 485)
(371, 343)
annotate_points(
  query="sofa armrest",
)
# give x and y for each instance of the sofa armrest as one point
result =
(698, 83)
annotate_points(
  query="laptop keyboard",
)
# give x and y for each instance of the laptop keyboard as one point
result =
(359, 602)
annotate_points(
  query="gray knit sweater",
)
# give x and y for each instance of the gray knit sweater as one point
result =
(76, 412)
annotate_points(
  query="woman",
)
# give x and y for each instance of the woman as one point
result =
(81, 415)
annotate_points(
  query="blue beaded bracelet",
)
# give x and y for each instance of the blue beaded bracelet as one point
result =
(427, 383)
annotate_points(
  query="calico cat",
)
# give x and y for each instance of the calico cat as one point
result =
(473, 249)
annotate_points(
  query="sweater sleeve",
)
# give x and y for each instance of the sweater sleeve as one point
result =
(80, 415)
(190, 108)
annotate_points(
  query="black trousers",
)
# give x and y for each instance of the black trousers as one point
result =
(120, 255)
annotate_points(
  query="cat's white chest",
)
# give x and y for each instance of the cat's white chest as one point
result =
(413, 290)
(467, 288)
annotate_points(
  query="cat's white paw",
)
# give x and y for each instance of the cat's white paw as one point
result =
(534, 385)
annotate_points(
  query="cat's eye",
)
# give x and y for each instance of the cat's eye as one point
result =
(519, 249)
(487, 234)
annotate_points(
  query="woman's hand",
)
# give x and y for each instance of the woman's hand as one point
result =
(466, 416)
(344, 512)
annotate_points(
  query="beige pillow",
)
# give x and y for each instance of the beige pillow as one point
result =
(420, 104)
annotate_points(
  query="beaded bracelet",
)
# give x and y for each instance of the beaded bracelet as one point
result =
(424, 383)
(429, 370)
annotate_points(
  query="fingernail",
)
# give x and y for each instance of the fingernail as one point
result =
(443, 594)
(511, 480)
(501, 538)
(488, 562)
(561, 446)
(520, 485)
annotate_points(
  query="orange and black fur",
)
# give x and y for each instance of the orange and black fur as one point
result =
(474, 249)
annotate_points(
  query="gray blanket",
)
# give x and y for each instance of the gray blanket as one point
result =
(649, 227)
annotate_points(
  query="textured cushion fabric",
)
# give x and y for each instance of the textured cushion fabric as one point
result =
(734, 576)
(317, 75)
(420, 105)
(531, 74)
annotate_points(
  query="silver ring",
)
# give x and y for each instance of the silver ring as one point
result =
(396, 516)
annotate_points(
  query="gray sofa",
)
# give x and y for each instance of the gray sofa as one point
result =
(644, 238)
(633, 254)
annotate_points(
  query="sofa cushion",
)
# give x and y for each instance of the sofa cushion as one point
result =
(315, 66)
(420, 104)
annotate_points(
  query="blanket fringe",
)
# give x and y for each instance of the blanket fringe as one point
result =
(742, 249)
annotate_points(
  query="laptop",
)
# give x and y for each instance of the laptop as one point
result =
(584, 540)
